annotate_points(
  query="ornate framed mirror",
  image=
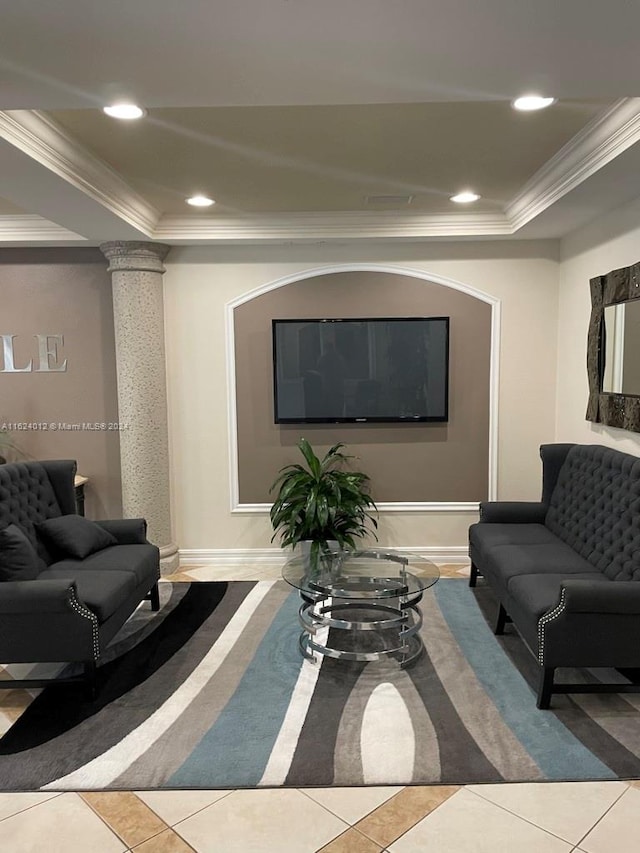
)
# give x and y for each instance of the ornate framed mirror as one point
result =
(613, 349)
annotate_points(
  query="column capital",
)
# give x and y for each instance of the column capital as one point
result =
(133, 256)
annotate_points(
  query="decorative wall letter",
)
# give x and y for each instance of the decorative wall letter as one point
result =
(48, 355)
(7, 352)
(47, 350)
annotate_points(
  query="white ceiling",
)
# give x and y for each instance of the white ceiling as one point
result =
(292, 112)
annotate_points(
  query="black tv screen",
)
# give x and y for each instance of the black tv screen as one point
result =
(364, 370)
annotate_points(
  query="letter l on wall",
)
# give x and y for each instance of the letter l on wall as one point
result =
(7, 352)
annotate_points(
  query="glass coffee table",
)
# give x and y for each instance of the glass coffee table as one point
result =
(366, 600)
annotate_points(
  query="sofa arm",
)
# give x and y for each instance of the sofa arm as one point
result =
(37, 596)
(513, 512)
(128, 531)
(583, 596)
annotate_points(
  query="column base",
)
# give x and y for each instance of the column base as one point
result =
(169, 559)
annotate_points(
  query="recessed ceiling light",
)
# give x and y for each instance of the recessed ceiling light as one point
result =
(465, 197)
(527, 103)
(200, 201)
(125, 111)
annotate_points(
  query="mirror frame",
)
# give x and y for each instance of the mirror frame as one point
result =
(614, 410)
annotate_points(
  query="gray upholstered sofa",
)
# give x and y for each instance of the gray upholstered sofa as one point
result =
(566, 570)
(67, 585)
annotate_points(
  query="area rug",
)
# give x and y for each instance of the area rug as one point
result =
(212, 692)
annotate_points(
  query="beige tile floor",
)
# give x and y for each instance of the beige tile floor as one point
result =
(584, 817)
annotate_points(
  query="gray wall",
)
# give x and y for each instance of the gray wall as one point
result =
(63, 292)
(406, 462)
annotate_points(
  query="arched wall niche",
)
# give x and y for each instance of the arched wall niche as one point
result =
(412, 466)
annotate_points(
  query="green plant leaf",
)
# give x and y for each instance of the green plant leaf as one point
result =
(322, 501)
(311, 459)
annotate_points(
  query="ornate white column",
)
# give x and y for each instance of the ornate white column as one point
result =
(138, 310)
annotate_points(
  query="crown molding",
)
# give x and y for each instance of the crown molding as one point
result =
(312, 227)
(607, 136)
(42, 139)
(34, 229)
(303, 228)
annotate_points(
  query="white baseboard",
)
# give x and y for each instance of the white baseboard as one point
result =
(396, 506)
(454, 554)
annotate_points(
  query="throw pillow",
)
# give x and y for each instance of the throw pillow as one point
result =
(19, 560)
(75, 536)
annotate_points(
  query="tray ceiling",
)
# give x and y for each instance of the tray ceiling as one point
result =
(303, 119)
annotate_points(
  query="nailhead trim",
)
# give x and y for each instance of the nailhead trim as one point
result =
(544, 620)
(87, 614)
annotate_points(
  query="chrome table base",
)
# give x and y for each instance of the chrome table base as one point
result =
(361, 605)
(395, 624)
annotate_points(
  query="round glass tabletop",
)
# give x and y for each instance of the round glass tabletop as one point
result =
(374, 573)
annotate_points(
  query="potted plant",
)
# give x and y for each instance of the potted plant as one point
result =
(322, 502)
(7, 445)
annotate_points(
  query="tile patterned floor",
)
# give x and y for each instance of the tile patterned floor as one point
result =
(592, 817)
(584, 817)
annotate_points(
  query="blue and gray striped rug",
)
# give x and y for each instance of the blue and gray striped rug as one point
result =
(213, 693)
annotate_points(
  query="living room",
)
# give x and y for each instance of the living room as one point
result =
(524, 332)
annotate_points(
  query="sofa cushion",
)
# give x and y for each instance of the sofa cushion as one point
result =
(26, 498)
(537, 594)
(74, 535)
(531, 596)
(595, 509)
(485, 536)
(19, 560)
(102, 592)
(505, 562)
(141, 561)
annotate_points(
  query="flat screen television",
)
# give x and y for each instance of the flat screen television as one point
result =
(378, 370)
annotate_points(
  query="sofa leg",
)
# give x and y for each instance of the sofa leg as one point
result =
(501, 621)
(154, 596)
(473, 576)
(545, 687)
